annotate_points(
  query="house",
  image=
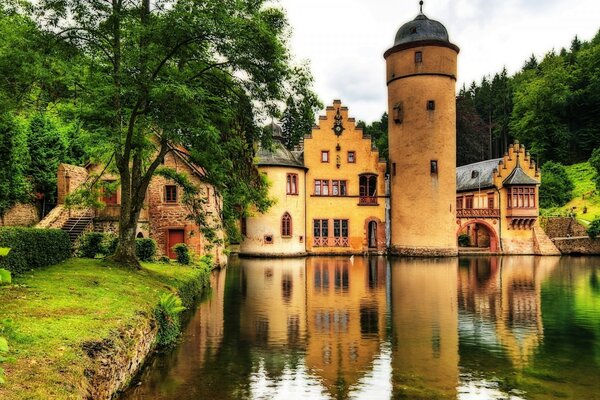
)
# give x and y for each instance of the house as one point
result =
(164, 217)
(329, 197)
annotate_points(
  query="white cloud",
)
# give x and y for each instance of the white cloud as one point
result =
(345, 39)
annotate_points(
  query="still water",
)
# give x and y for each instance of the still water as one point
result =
(379, 328)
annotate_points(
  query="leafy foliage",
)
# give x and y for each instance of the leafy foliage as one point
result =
(5, 277)
(556, 188)
(167, 315)
(182, 252)
(595, 163)
(378, 131)
(89, 244)
(3, 350)
(145, 249)
(464, 240)
(33, 248)
(594, 229)
(14, 156)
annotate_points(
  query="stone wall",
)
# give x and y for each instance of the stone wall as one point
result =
(69, 178)
(562, 227)
(20, 215)
(578, 245)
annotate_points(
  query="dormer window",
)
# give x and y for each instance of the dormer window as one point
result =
(474, 174)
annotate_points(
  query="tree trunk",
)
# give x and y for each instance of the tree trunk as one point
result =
(125, 252)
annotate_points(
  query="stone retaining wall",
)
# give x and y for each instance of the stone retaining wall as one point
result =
(578, 245)
(20, 215)
(560, 227)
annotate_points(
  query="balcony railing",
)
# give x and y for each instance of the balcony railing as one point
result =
(331, 242)
(522, 212)
(367, 201)
(478, 213)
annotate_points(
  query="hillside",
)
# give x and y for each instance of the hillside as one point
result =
(586, 199)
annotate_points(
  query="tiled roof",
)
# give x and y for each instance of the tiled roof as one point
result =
(519, 177)
(483, 177)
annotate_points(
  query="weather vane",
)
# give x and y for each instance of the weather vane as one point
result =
(421, 4)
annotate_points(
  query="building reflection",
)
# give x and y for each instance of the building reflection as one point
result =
(273, 311)
(500, 304)
(346, 305)
(425, 328)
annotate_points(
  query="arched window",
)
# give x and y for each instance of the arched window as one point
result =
(286, 225)
(140, 235)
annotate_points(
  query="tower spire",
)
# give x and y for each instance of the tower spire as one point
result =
(421, 6)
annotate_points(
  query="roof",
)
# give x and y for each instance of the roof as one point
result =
(279, 156)
(519, 177)
(421, 29)
(484, 178)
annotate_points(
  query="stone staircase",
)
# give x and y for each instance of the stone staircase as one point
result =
(542, 244)
(75, 226)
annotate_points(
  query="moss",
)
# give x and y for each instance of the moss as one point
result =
(49, 313)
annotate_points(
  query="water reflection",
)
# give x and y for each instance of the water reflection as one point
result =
(340, 327)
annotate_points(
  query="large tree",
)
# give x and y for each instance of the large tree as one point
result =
(154, 71)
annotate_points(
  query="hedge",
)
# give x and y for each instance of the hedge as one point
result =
(33, 248)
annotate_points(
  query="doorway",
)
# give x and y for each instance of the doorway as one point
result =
(175, 236)
(372, 232)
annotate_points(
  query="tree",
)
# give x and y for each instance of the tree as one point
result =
(378, 131)
(153, 70)
(556, 188)
(471, 132)
(14, 186)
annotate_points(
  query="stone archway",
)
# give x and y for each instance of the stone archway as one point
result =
(482, 235)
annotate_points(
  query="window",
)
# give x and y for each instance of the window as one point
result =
(433, 166)
(268, 239)
(491, 200)
(286, 225)
(521, 197)
(398, 113)
(393, 169)
(244, 226)
(338, 188)
(170, 194)
(418, 57)
(459, 203)
(321, 187)
(351, 157)
(291, 184)
(431, 105)
(474, 174)
(325, 156)
(368, 189)
(469, 202)
(340, 228)
(109, 197)
(321, 228)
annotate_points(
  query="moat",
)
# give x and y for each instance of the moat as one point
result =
(377, 328)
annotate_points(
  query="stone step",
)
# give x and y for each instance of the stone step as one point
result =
(543, 245)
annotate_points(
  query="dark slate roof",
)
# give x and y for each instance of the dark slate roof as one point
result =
(519, 177)
(419, 29)
(485, 179)
(278, 155)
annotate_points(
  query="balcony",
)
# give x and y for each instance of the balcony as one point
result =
(478, 213)
(522, 212)
(367, 201)
(331, 242)
(111, 212)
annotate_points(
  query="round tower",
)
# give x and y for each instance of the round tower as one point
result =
(421, 81)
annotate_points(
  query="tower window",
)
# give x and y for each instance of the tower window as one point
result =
(286, 225)
(418, 57)
(393, 169)
(398, 113)
(430, 105)
(433, 166)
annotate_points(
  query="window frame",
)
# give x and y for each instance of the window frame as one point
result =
(430, 105)
(353, 159)
(291, 184)
(325, 156)
(342, 187)
(320, 226)
(418, 57)
(286, 225)
(321, 187)
(169, 200)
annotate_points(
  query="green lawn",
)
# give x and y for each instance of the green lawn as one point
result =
(47, 314)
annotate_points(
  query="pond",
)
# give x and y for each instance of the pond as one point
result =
(379, 328)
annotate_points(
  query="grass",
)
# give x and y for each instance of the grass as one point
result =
(47, 314)
(585, 195)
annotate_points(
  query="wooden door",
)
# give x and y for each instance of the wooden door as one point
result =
(175, 236)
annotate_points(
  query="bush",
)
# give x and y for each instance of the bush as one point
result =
(595, 163)
(593, 230)
(109, 246)
(183, 253)
(89, 244)
(33, 248)
(3, 349)
(5, 277)
(556, 188)
(145, 249)
(167, 316)
(464, 240)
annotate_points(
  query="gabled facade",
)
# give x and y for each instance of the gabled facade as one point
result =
(497, 205)
(329, 198)
(164, 218)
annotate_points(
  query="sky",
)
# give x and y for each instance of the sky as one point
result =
(344, 40)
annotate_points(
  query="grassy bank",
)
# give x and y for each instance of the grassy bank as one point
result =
(49, 313)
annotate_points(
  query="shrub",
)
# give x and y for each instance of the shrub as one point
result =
(145, 249)
(595, 163)
(207, 259)
(3, 350)
(5, 277)
(164, 259)
(109, 245)
(593, 230)
(33, 248)
(167, 316)
(89, 244)
(183, 253)
(556, 188)
(464, 240)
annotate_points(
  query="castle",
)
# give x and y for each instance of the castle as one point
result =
(335, 197)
